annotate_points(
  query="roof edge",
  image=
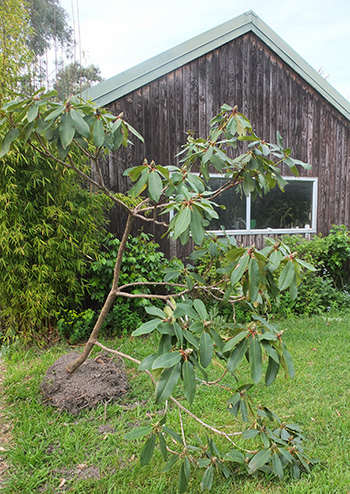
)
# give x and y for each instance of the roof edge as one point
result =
(159, 65)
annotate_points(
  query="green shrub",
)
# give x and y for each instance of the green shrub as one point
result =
(142, 262)
(50, 229)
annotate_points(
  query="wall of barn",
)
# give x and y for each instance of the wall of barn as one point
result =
(246, 73)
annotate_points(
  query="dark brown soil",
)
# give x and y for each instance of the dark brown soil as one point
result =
(96, 381)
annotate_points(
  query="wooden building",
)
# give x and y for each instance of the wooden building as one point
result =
(241, 62)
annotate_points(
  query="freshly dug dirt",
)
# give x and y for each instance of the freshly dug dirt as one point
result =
(96, 381)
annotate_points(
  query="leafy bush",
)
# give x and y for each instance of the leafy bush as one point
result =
(142, 262)
(50, 229)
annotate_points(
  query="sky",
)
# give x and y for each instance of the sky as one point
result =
(116, 34)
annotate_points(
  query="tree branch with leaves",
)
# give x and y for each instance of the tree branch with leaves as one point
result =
(189, 343)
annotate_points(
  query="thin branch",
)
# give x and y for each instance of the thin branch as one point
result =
(177, 403)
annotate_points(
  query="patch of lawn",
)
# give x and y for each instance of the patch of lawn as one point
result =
(54, 452)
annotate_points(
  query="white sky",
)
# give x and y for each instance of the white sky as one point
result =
(117, 34)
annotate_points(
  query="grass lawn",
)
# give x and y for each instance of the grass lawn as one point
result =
(53, 452)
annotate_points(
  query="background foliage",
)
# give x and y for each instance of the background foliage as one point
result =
(50, 230)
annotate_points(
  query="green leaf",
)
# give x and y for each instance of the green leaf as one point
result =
(56, 113)
(147, 362)
(254, 279)
(248, 183)
(237, 355)
(196, 225)
(258, 460)
(277, 466)
(238, 271)
(162, 445)
(200, 308)
(250, 433)
(154, 311)
(169, 465)
(271, 371)
(79, 123)
(6, 144)
(147, 450)
(66, 130)
(233, 341)
(183, 220)
(147, 327)
(184, 475)
(306, 265)
(207, 480)
(154, 186)
(286, 276)
(255, 359)
(189, 380)
(167, 383)
(234, 456)
(32, 112)
(173, 434)
(206, 349)
(98, 133)
(139, 432)
(288, 360)
(167, 360)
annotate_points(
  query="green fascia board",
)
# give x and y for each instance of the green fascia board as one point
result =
(146, 72)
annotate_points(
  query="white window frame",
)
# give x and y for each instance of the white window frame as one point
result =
(251, 231)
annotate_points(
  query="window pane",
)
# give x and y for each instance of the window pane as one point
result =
(234, 216)
(289, 209)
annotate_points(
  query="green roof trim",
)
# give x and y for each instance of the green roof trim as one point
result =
(145, 72)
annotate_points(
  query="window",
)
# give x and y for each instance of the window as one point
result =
(291, 211)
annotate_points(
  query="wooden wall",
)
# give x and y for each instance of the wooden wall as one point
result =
(246, 73)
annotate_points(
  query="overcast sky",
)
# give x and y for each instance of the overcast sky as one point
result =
(118, 34)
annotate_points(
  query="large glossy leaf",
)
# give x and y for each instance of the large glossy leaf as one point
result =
(183, 220)
(79, 123)
(162, 445)
(189, 380)
(254, 279)
(238, 271)
(286, 276)
(10, 137)
(271, 371)
(167, 383)
(255, 359)
(98, 133)
(200, 308)
(139, 432)
(207, 480)
(233, 341)
(184, 475)
(235, 456)
(167, 360)
(277, 467)
(237, 355)
(288, 361)
(154, 186)
(147, 327)
(32, 112)
(66, 130)
(147, 450)
(206, 349)
(196, 225)
(259, 459)
(147, 362)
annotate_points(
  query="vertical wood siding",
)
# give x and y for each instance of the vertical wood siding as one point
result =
(246, 73)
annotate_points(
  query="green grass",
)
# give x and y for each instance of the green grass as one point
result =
(51, 448)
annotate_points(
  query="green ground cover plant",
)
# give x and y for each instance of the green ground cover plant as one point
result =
(50, 447)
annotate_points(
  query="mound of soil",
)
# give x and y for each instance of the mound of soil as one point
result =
(96, 381)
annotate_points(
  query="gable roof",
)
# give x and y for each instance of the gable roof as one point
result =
(145, 72)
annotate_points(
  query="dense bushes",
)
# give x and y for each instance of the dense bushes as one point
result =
(50, 230)
(142, 262)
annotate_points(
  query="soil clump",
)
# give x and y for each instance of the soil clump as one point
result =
(98, 380)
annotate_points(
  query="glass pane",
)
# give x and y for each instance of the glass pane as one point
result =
(289, 209)
(234, 216)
